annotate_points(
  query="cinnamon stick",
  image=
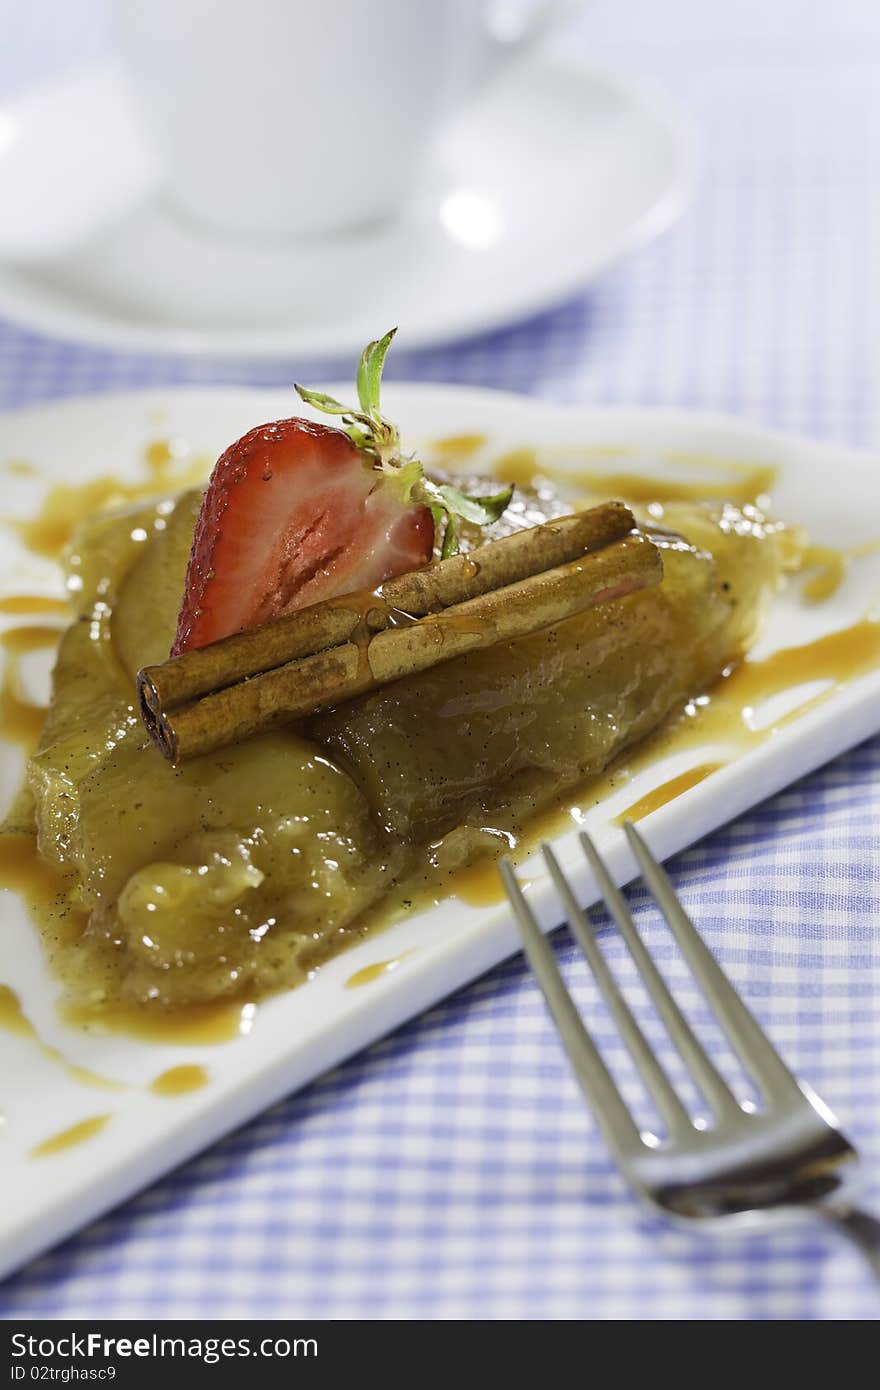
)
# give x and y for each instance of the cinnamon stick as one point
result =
(320, 679)
(334, 621)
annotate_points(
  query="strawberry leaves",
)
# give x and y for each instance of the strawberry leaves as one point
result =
(328, 404)
(367, 428)
(369, 374)
(379, 442)
(481, 511)
(449, 506)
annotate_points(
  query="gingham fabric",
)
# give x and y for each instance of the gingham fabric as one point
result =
(451, 1170)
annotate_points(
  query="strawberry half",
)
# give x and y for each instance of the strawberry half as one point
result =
(296, 512)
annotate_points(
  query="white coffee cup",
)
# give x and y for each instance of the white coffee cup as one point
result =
(297, 118)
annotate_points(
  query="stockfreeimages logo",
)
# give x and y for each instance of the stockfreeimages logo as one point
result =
(96, 1346)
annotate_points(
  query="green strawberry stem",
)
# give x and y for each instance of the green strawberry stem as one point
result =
(379, 441)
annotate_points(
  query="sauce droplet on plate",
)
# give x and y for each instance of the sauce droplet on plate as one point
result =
(179, 1081)
(666, 792)
(72, 1136)
(20, 605)
(372, 972)
(13, 1019)
(21, 719)
(722, 480)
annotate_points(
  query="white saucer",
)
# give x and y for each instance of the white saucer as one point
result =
(551, 176)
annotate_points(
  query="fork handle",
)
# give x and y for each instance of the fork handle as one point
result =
(858, 1226)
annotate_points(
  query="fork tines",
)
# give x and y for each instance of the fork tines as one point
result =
(754, 1049)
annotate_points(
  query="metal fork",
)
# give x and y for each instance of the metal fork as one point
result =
(786, 1159)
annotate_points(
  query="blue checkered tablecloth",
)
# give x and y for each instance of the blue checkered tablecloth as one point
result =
(451, 1170)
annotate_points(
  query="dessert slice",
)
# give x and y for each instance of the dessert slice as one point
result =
(235, 872)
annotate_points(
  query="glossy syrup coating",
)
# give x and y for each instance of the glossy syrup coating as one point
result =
(232, 875)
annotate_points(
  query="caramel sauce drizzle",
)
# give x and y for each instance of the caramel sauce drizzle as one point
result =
(44, 888)
(373, 972)
(14, 1020)
(666, 792)
(18, 641)
(459, 446)
(19, 605)
(179, 1081)
(728, 480)
(831, 567)
(71, 1137)
(21, 719)
(478, 884)
(725, 715)
(169, 468)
